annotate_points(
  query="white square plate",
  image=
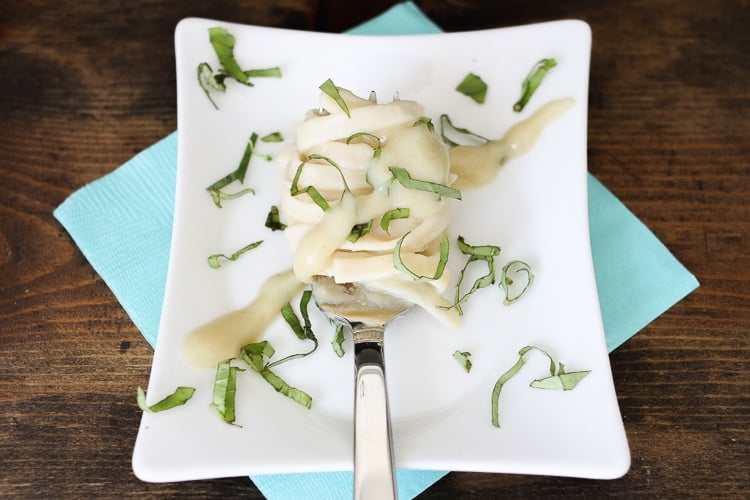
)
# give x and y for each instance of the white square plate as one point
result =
(536, 210)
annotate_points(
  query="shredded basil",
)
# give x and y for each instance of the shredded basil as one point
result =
(179, 397)
(558, 379)
(482, 253)
(427, 122)
(225, 389)
(255, 356)
(329, 88)
(532, 82)
(396, 213)
(368, 139)
(207, 81)
(403, 177)
(473, 86)
(238, 175)
(273, 137)
(287, 390)
(463, 359)
(302, 329)
(516, 267)
(338, 340)
(446, 126)
(273, 219)
(399, 264)
(565, 381)
(213, 260)
(311, 191)
(268, 72)
(223, 44)
(359, 230)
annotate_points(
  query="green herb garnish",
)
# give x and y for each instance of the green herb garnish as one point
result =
(483, 253)
(213, 260)
(532, 82)
(427, 122)
(329, 88)
(463, 359)
(255, 356)
(302, 329)
(399, 264)
(179, 397)
(238, 175)
(473, 86)
(272, 137)
(371, 140)
(558, 379)
(223, 43)
(273, 219)
(446, 125)
(516, 267)
(225, 388)
(403, 177)
(338, 340)
(359, 230)
(207, 81)
(311, 191)
(396, 213)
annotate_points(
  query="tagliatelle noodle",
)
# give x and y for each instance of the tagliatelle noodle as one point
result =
(380, 136)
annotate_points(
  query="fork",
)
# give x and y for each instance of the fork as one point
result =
(366, 312)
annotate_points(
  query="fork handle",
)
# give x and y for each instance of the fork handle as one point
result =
(374, 475)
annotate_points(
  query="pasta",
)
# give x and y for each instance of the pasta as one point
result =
(348, 159)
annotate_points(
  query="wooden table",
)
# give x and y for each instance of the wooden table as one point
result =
(86, 84)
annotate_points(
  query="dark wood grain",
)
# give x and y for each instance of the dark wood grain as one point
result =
(84, 85)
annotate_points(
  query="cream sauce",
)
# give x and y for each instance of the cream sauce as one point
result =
(223, 337)
(478, 165)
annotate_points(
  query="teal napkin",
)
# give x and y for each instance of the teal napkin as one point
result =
(123, 223)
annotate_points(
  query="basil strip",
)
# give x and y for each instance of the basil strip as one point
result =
(359, 230)
(213, 260)
(427, 122)
(287, 390)
(557, 380)
(302, 331)
(225, 388)
(563, 381)
(223, 44)
(483, 253)
(506, 281)
(403, 177)
(338, 340)
(273, 219)
(365, 136)
(208, 81)
(399, 264)
(179, 397)
(396, 213)
(329, 88)
(463, 359)
(504, 378)
(473, 86)
(254, 355)
(274, 72)
(311, 191)
(532, 82)
(238, 175)
(273, 137)
(447, 124)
